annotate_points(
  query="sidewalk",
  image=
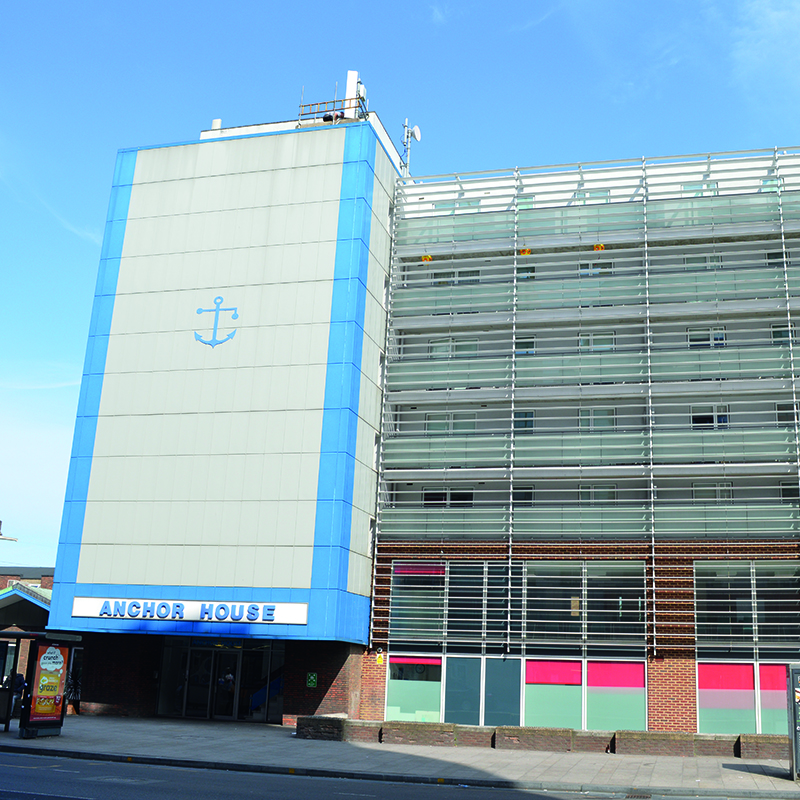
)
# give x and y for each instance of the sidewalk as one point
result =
(267, 748)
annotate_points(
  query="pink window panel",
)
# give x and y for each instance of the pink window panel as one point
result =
(612, 673)
(421, 568)
(563, 673)
(773, 677)
(726, 676)
(414, 660)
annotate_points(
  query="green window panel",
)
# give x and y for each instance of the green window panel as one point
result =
(615, 709)
(416, 701)
(727, 720)
(549, 706)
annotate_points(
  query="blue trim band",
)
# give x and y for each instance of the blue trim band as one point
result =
(66, 572)
(342, 389)
(332, 615)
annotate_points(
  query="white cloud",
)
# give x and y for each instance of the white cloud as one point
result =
(764, 47)
(438, 15)
(532, 23)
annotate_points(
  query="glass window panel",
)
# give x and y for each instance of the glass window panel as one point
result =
(554, 602)
(462, 695)
(461, 498)
(466, 347)
(523, 496)
(724, 606)
(502, 692)
(417, 602)
(436, 423)
(526, 271)
(778, 604)
(413, 692)
(523, 421)
(464, 421)
(785, 413)
(465, 602)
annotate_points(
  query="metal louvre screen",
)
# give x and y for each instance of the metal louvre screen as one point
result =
(748, 609)
(602, 351)
(544, 608)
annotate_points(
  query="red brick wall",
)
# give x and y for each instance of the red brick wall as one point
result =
(120, 674)
(338, 669)
(47, 582)
(6, 580)
(671, 697)
(373, 685)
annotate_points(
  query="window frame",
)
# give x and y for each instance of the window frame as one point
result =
(588, 493)
(595, 269)
(446, 493)
(718, 492)
(718, 411)
(527, 416)
(591, 346)
(788, 334)
(450, 420)
(589, 421)
(707, 337)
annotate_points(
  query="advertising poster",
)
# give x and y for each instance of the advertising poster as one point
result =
(47, 689)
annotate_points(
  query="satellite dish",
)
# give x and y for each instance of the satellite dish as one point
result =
(416, 133)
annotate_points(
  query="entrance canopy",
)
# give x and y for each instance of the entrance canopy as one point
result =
(24, 608)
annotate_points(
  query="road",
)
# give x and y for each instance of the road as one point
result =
(26, 777)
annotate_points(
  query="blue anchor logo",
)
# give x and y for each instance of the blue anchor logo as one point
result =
(213, 341)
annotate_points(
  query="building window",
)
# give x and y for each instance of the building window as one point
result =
(790, 491)
(736, 600)
(526, 272)
(592, 493)
(450, 422)
(775, 258)
(444, 278)
(596, 419)
(710, 261)
(782, 332)
(710, 416)
(448, 497)
(706, 337)
(525, 345)
(595, 269)
(712, 492)
(784, 413)
(451, 277)
(523, 496)
(596, 340)
(523, 422)
(447, 348)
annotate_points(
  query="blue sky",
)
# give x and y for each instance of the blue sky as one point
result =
(491, 85)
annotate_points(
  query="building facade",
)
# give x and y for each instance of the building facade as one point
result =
(588, 505)
(514, 448)
(221, 495)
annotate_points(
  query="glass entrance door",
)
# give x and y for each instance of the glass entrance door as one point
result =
(226, 685)
(198, 683)
(240, 681)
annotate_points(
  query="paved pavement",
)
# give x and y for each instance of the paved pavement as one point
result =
(269, 748)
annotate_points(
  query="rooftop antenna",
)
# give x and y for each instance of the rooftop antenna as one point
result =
(5, 538)
(408, 135)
